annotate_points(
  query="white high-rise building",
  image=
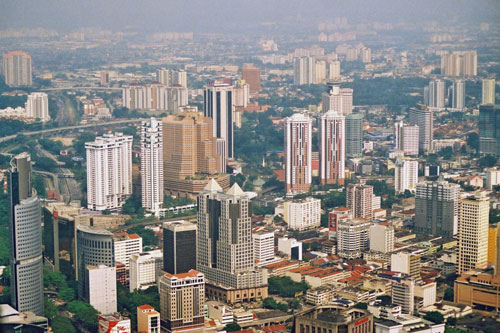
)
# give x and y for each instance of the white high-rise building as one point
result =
(218, 105)
(457, 96)
(488, 91)
(263, 244)
(492, 178)
(144, 268)
(177, 98)
(100, 288)
(152, 165)
(241, 94)
(332, 154)
(406, 175)
(149, 97)
(298, 153)
(125, 245)
(366, 55)
(359, 200)
(109, 171)
(163, 76)
(403, 294)
(334, 70)
(302, 214)
(382, 238)
(406, 138)
(17, 69)
(319, 72)
(338, 100)
(424, 119)
(436, 94)
(303, 68)
(179, 77)
(37, 106)
(473, 217)
(352, 237)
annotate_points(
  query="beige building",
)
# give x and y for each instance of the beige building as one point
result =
(302, 214)
(298, 153)
(331, 318)
(182, 299)
(17, 70)
(473, 217)
(190, 155)
(359, 200)
(148, 319)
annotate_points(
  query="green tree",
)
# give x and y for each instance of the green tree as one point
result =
(487, 161)
(50, 309)
(361, 305)
(62, 325)
(434, 316)
(449, 294)
(446, 153)
(66, 294)
(85, 313)
(148, 236)
(54, 280)
(473, 140)
(451, 321)
(232, 327)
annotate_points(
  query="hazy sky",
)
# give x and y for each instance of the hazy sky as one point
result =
(220, 15)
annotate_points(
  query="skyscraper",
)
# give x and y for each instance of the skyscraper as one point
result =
(17, 70)
(424, 119)
(406, 175)
(334, 70)
(225, 252)
(352, 237)
(359, 200)
(251, 75)
(473, 216)
(298, 153)
(163, 76)
(436, 94)
(406, 138)
(178, 77)
(382, 238)
(436, 209)
(109, 171)
(332, 154)
(354, 135)
(150, 97)
(152, 165)
(303, 68)
(489, 129)
(25, 228)
(488, 91)
(37, 106)
(457, 95)
(459, 63)
(218, 105)
(337, 99)
(179, 247)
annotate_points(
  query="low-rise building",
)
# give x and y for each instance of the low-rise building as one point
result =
(335, 318)
(144, 268)
(290, 247)
(148, 319)
(113, 323)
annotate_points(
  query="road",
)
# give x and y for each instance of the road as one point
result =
(69, 128)
(153, 222)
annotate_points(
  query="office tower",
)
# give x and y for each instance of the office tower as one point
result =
(493, 244)
(359, 200)
(473, 216)
(489, 129)
(332, 154)
(144, 267)
(457, 95)
(163, 76)
(218, 105)
(179, 78)
(492, 178)
(291, 247)
(182, 298)
(338, 100)
(241, 92)
(403, 293)
(17, 70)
(406, 175)
(319, 72)
(436, 209)
(334, 70)
(407, 263)
(406, 138)
(225, 251)
(95, 268)
(104, 78)
(424, 119)
(109, 171)
(436, 94)
(37, 106)
(488, 91)
(354, 135)
(152, 165)
(352, 237)
(126, 245)
(263, 245)
(251, 75)
(148, 320)
(100, 288)
(148, 97)
(301, 214)
(179, 247)
(366, 55)
(25, 229)
(382, 238)
(190, 154)
(298, 153)
(459, 63)
(303, 70)
(113, 323)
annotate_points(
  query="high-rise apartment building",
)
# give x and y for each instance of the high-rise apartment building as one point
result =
(407, 263)
(125, 246)
(17, 70)
(405, 175)
(37, 106)
(337, 99)
(492, 178)
(148, 319)
(319, 72)
(456, 96)
(152, 165)
(382, 238)
(298, 153)
(144, 268)
(354, 135)
(303, 68)
(489, 129)
(177, 98)
(163, 76)
(403, 293)
(263, 244)
(488, 91)
(435, 94)
(301, 214)
(359, 200)
(352, 237)
(436, 209)
(179, 247)
(190, 154)
(241, 92)
(218, 105)
(25, 229)
(251, 75)
(179, 78)
(406, 138)
(100, 288)
(366, 55)
(225, 252)
(332, 154)
(109, 171)
(334, 70)
(148, 97)
(182, 298)
(459, 63)
(424, 119)
(473, 217)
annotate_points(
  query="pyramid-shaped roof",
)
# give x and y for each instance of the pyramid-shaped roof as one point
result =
(235, 190)
(212, 186)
